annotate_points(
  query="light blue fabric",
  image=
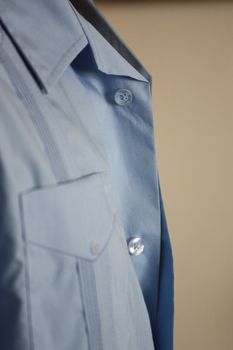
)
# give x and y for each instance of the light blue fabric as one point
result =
(78, 179)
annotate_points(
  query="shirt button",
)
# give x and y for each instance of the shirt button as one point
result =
(135, 246)
(123, 96)
(95, 248)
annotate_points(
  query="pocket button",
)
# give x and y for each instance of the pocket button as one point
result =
(95, 247)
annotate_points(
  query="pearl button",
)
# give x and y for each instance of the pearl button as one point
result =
(135, 246)
(123, 96)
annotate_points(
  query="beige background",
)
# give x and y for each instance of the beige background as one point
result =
(188, 48)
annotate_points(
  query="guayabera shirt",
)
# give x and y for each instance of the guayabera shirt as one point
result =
(85, 255)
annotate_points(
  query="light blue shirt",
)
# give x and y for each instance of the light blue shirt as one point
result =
(86, 259)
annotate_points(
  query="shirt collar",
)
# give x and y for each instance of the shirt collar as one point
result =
(107, 59)
(51, 33)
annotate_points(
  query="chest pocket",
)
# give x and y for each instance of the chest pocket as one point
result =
(66, 229)
(74, 218)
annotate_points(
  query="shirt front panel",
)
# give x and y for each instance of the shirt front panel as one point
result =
(128, 136)
(94, 132)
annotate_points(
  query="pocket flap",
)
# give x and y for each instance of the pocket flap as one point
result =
(74, 218)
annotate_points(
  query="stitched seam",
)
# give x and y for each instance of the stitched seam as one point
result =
(65, 59)
(83, 302)
(1, 36)
(27, 282)
(37, 118)
(88, 286)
